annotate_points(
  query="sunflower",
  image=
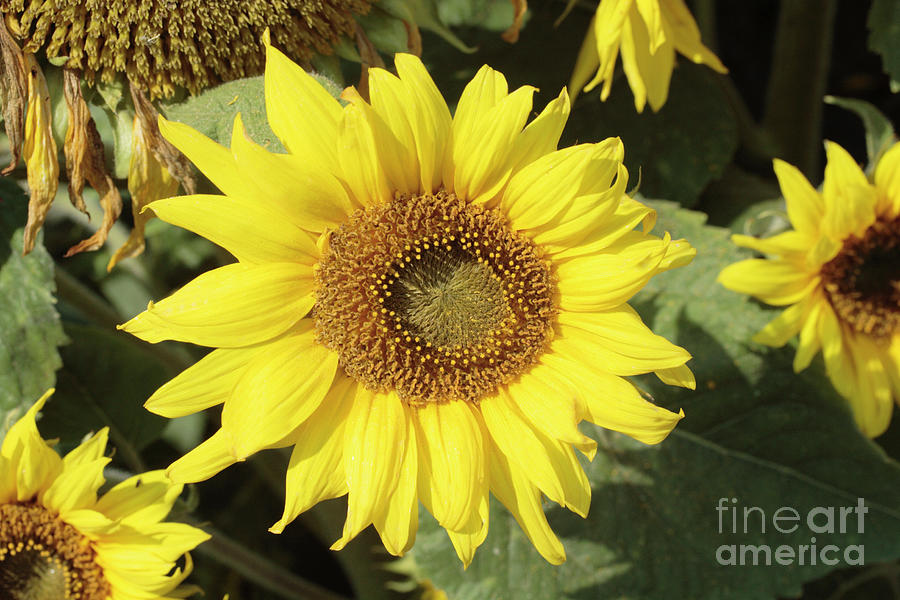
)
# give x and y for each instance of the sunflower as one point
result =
(59, 540)
(649, 32)
(424, 307)
(838, 273)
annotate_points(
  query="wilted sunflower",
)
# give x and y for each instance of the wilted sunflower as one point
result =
(159, 46)
(59, 541)
(424, 307)
(648, 32)
(838, 272)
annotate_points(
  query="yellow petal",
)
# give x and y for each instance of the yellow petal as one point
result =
(316, 470)
(685, 35)
(466, 542)
(548, 402)
(559, 186)
(586, 64)
(805, 206)
(248, 229)
(75, 487)
(281, 387)
(599, 235)
(374, 444)
(650, 12)
(541, 136)
(872, 403)
(681, 376)
(887, 180)
(359, 159)
(848, 195)
(789, 244)
(776, 282)
(300, 111)
(451, 455)
(208, 382)
(648, 74)
(205, 460)
(308, 195)
(232, 306)
(618, 340)
(33, 463)
(611, 401)
(140, 500)
(523, 500)
(809, 335)
(398, 521)
(782, 328)
(550, 465)
(214, 160)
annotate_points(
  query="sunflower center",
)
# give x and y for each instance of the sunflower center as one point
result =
(41, 557)
(164, 44)
(863, 280)
(433, 298)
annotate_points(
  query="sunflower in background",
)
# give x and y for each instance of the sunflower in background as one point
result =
(648, 33)
(838, 273)
(60, 541)
(424, 307)
(159, 47)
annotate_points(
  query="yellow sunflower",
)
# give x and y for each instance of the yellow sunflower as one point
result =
(838, 273)
(59, 541)
(424, 307)
(648, 32)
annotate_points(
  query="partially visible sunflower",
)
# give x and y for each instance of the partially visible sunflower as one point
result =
(60, 541)
(838, 273)
(649, 33)
(424, 307)
(159, 47)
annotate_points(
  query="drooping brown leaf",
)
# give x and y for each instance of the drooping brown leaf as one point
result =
(511, 35)
(13, 95)
(165, 153)
(39, 151)
(148, 180)
(413, 37)
(85, 162)
(369, 57)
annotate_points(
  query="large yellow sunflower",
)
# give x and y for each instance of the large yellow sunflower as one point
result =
(648, 32)
(424, 307)
(59, 541)
(838, 272)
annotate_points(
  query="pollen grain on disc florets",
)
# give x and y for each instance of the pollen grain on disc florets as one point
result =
(434, 298)
(42, 557)
(863, 281)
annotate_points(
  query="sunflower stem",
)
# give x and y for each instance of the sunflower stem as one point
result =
(800, 62)
(259, 570)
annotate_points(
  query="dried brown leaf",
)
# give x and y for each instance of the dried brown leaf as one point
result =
(13, 95)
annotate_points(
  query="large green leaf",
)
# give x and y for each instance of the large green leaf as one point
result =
(754, 431)
(30, 329)
(884, 37)
(104, 382)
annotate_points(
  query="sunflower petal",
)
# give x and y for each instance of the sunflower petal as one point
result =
(316, 470)
(398, 521)
(232, 306)
(776, 282)
(280, 388)
(849, 198)
(805, 205)
(205, 460)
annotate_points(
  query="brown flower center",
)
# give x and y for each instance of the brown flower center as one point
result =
(863, 280)
(433, 298)
(41, 557)
(163, 44)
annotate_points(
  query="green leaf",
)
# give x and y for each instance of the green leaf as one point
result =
(879, 132)
(884, 37)
(753, 431)
(680, 149)
(212, 112)
(104, 382)
(30, 329)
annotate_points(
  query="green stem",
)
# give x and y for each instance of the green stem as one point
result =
(797, 83)
(259, 570)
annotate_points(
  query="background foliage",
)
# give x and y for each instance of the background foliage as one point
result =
(754, 431)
